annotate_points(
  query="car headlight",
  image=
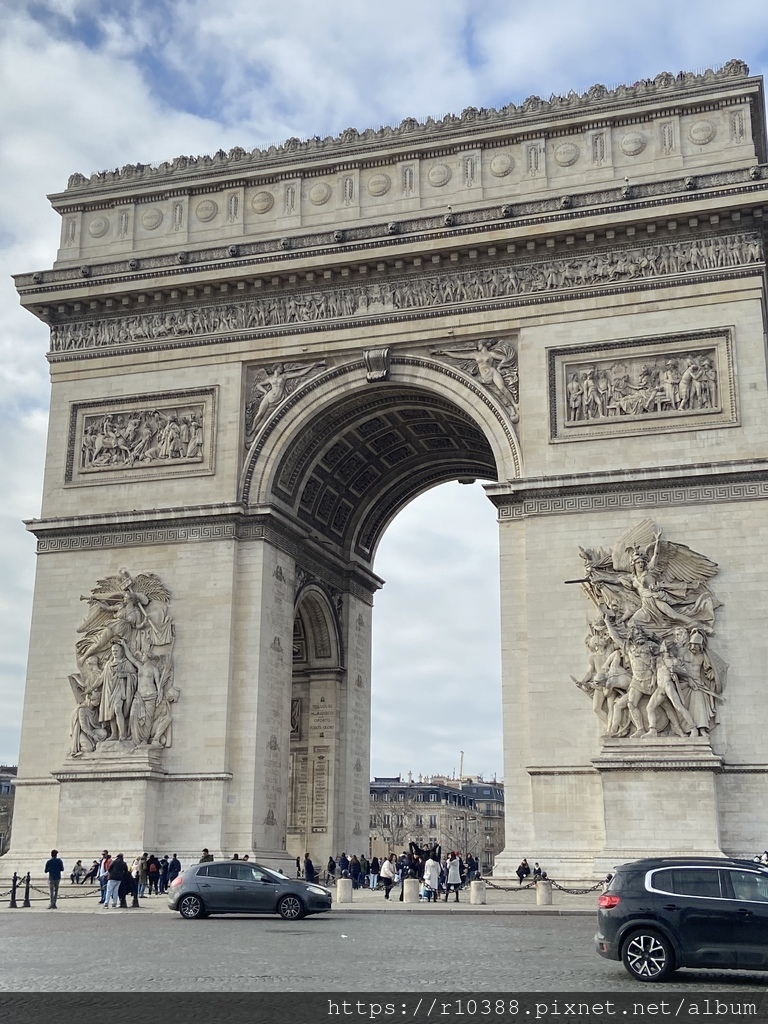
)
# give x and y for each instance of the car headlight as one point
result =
(318, 890)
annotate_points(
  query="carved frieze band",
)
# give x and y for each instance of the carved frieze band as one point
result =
(677, 382)
(621, 500)
(508, 281)
(145, 436)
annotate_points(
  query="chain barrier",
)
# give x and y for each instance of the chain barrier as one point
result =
(577, 892)
(23, 884)
(532, 885)
(511, 888)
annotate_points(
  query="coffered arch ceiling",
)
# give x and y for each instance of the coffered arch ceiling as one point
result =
(365, 457)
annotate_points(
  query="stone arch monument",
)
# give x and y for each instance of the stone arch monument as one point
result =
(259, 358)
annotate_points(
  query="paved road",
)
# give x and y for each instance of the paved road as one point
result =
(426, 950)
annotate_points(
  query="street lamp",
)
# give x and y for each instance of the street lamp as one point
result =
(466, 819)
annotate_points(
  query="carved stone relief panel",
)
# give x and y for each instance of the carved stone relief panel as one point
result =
(681, 382)
(267, 389)
(168, 434)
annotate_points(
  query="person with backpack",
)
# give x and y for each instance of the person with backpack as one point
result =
(153, 874)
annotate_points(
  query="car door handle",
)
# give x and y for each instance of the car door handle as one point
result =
(671, 906)
(744, 912)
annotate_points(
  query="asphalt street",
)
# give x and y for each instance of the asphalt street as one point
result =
(342, 951)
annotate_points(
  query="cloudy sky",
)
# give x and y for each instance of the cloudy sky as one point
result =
(88, 85)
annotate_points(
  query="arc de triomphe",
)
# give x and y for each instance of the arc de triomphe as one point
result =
(258, 359)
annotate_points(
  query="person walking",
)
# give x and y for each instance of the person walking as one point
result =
(118, 869)
(153, 874)
(142, 875)
(54, 868)
(432, 879)
(164, 872)
(174, 868)
(206, 857)
(309, 869)
(103, 875)
(375, 867)
(355, 871)
(388, 872)
(453, 876)
(330, 871)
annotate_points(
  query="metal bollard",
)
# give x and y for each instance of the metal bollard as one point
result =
(14, 884)
(344, 890)
(543, 893)
(26, 902)
(477, 892)
(411, 888)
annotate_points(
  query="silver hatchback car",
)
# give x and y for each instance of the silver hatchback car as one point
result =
(242, 887)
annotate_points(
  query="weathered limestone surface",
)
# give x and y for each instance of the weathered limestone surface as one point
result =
(258, 359)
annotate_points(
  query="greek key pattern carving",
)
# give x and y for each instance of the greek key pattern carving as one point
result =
(76, 541)
(665, 497)
(506, 280)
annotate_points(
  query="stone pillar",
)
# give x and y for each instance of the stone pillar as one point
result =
(411, 888)
(344, 890)
(477, 893)
(543, 893)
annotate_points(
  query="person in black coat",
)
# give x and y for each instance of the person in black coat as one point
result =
(523, 871)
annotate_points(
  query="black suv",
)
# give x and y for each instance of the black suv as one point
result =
(660, 914)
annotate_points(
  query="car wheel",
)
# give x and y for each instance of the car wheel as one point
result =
(648, 956)
(191, 907)
(290, 908)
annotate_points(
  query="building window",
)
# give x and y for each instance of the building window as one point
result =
(399, 820)
(419, 820)
(433, 821)
(385, 820)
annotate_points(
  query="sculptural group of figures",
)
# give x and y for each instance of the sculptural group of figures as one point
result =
(124, 684)
(141, 437)
(651, 668)
(502, 280)
(680, 384)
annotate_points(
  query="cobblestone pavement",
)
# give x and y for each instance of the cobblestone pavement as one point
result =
(507, 946)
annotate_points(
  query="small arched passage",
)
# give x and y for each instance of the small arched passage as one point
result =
(314, 758)
(343, 455)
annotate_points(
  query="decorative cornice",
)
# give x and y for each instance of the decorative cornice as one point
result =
(195, 525)
(351, 143)
(633, 490)
(147, 270)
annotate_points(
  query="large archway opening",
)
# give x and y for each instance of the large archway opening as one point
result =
(436, 665)
(342, 460)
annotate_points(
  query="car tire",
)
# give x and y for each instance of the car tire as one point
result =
(191, 907)
(290, 908)
(647, 955)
